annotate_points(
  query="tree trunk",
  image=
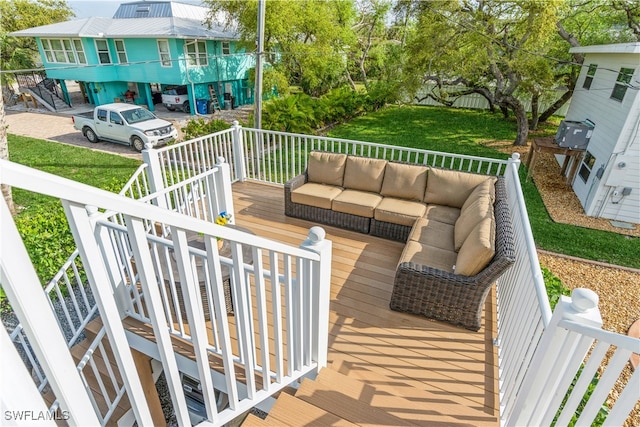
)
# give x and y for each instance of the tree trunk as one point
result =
(521, 117)
(556, 106)
(534, 110)
(505, 111)
(4, 154)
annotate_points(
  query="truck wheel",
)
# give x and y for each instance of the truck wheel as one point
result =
(91, 135)
(137, 143)
(186, 107)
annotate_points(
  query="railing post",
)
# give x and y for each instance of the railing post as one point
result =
(549, 362)
(24, 291)
(320, 292)
(238, 152)
(223, 195)
(83, 233)
(154, 174)
(515, 160)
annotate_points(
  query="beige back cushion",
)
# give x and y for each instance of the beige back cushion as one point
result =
(364, 174)
(484, 189)
(451, 188)
(470, 217)
(404, 181)
(326, 168)
(478, 250)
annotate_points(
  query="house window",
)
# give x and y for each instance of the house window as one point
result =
(163, 51)
(63, 51)
(622, 83)
(121, 51)
(77, 46)
(196, 52)
(226, 48)
(102, 47)
(589, 78)
(587, 166)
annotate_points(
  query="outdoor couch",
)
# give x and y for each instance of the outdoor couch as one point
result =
(456, 226)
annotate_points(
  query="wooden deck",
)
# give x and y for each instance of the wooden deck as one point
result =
(442, 369)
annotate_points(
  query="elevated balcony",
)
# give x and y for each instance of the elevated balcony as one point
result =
(136, 300)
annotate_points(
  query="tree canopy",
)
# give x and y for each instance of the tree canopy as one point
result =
(21, 52)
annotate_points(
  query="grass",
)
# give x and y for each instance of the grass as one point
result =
(102, 170)
(40, 219)
(476, 132)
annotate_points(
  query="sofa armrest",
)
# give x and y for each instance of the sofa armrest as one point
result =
(296, 182)
(289, 186)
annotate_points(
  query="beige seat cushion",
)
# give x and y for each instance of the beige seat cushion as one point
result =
(313, 194)
(478, 250)
(326, 168)
(404, 181)
(354, 202)
(485, 189)
(399, 211)
(445, 214)
(470, 217)
(364, 174)
(433, 233)
(437, 258)
(451, 188)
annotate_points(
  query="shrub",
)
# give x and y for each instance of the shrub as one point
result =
(200, 127)
(554, 287)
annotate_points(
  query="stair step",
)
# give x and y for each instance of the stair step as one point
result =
(291, 411)
(355, 409)
(255, 421)
(437, 401)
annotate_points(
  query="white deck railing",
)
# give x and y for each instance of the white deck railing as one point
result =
(298, 310)
(524, 317)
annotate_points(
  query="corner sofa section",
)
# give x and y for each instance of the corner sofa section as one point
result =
(456, 226)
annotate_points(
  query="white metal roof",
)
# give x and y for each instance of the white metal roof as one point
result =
(169, 20)
(633, 47)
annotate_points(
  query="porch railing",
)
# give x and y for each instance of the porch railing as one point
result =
(525, 323)
(524, 314)
(112, 243)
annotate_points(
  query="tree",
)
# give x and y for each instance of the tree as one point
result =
(489, 46)
(21, 52)
(306, 39)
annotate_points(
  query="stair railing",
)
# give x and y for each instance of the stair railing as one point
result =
(299, 280)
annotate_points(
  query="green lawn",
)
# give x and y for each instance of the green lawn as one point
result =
(40, 219)
(473, 132)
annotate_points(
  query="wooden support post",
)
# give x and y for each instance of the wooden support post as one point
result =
(143, 365)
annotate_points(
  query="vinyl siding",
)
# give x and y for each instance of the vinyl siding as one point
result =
(616, 124)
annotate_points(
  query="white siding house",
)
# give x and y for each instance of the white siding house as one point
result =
(608, 94)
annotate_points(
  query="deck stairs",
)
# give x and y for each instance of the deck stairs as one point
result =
(337, 398)
(343, 394)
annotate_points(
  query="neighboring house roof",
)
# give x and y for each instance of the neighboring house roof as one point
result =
(608, 48)
(167, 19)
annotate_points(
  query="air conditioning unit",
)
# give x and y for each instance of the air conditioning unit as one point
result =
(575, 135)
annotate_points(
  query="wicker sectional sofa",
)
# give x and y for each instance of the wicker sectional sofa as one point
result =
(456, 226)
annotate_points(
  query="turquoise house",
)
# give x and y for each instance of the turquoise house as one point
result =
(144, 49)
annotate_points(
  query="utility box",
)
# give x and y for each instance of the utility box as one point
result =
(575, 135)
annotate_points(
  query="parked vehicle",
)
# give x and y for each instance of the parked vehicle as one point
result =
(176, 97)
(124, 124)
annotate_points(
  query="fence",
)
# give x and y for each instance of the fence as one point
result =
(479, 102)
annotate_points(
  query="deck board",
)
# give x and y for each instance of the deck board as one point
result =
(457, 365)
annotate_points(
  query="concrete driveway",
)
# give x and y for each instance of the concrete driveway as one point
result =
(42, 124)
(59, 128)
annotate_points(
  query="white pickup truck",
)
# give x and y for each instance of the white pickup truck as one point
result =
(125, 124)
